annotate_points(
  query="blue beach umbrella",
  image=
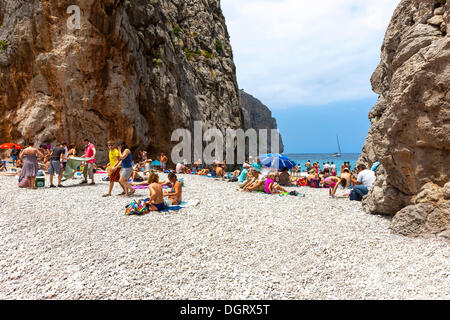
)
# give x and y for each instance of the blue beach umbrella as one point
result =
(276, 161)
(156, 163)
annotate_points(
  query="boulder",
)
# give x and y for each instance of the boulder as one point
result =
(410, 130)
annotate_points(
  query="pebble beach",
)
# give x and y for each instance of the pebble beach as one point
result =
(70, 243)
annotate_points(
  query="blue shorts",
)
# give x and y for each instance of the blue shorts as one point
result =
(55, 168)
(15, 158)
(160, 206)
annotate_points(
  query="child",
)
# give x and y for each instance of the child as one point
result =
(271, 187)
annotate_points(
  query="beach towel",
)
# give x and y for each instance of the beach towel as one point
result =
(8, 174)
(139, 207)
(283, 194)
(140, 187)
(71, 167)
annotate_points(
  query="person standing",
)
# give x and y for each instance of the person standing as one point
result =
(127, 169)
(30, 168)
(333, 169)
(89, 152)
(55, 166)
(163, 159)
(66, 156)
(365, 180)
(72, 151)
(114, 165)
(14, 156)
(308, 166)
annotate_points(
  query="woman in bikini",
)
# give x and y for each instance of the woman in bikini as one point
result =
(175, 195)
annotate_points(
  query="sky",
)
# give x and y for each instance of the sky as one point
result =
(310, 62)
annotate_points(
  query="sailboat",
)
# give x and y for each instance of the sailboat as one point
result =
(338, 154)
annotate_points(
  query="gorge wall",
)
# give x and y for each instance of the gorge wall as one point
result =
(135, 71)
(410, 123)
(258, 116)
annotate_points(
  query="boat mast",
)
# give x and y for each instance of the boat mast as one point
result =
(339, 146)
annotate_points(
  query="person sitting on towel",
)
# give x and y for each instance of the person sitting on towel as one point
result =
(175, 195)
(257, 182)
(284, 178)
(271, 187)
(2, 166)
(219, 171)
(156, 201)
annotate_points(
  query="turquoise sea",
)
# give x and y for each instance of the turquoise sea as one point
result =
(302, 158)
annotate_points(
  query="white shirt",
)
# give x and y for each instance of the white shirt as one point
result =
(367, 178)
(179, 168)
(66, 153)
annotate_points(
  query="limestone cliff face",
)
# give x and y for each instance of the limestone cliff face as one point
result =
(136, 70)
(410, 131)
(258, 116)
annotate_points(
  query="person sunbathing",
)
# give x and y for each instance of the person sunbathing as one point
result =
(250, 178)
(175, 195)
(284, 178)
(257, 183)
(2, 166)
(271, 187)
(203, 172)
(219, 171)
(156, 201)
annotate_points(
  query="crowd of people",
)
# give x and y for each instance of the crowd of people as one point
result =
(129, 174)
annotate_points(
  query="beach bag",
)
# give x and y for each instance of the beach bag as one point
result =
(315, 183)
(24, 182)
(137, 207)
(301, 182)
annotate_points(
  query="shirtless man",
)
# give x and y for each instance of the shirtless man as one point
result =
(345, 181)
(163, 159)
(308, 165)
(175, 194)
(219, 171)
(156, 201)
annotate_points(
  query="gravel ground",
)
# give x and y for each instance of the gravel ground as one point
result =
(73, 244)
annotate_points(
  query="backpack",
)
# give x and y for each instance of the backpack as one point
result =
(315, 183)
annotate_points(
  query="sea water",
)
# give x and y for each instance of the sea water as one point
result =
(302, 158)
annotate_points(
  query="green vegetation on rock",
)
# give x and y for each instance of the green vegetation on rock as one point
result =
(3, 45)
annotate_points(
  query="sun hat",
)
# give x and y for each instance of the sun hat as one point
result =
(246, 165)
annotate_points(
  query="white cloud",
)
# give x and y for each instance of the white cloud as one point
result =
(298, 52)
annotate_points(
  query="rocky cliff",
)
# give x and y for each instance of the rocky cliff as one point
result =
(258, 116)
(410, 130)
(135, 70)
